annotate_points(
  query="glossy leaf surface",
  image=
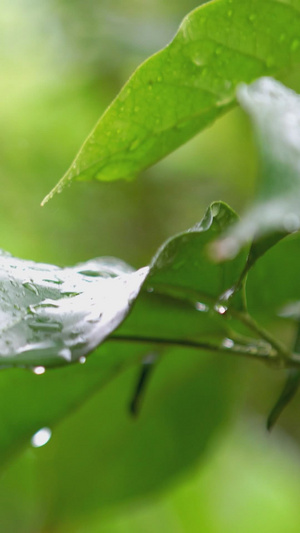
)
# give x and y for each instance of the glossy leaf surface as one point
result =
(53, 316)
(274, 111)
(185, 87)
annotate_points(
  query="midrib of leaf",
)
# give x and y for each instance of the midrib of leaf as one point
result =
(177, 98)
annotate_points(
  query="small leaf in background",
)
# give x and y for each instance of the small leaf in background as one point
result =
(290, 388)
(183, 88)
(275, 114)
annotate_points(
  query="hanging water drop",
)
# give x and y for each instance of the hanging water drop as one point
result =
(221, 309)
(66, 354)
(41, 437)
(38, 370)
(31, 287)
(227, 343)
(82, 360)
(199, 306)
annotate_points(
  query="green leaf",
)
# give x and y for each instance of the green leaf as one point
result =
(52, 316)
(273, 283)
(100, 456)
(186, 86)
(275, 114)
(31, 401)
(290, 388)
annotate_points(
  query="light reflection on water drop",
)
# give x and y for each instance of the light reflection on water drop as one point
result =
(221, 309)
(201, 307)
(41, 437)
(38, 370)
(227, 343)
(82, 360)
(66, 354)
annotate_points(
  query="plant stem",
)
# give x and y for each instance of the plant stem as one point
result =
(281, 350)
(252, 352)
(267, 355)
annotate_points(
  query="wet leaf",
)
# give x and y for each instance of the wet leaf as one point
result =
(186, 86)
(275, 114)
(52, 316)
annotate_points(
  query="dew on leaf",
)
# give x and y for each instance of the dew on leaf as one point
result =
(221, 309)
(199, 306)
(31, 287)
(198, 60)
(150, 289)
(66, 354)
(227, 343)
(41, 325)
(82, 360)
(134, 145)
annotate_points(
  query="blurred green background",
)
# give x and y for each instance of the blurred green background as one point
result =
(62, 63)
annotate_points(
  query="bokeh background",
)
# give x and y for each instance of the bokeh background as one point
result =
(62, 63)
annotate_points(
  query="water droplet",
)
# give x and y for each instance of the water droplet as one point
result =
(31, 287)
(198, 60)
(57, 281)
(228, 294)
(82, 360)
(38, 370)
(134, 144)
(221, 309)
(227, 343)
(295, 45)
(291, 222)
(150, 289)
(41, 437)
(201, 307)
(41, 325)
(66, 354)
